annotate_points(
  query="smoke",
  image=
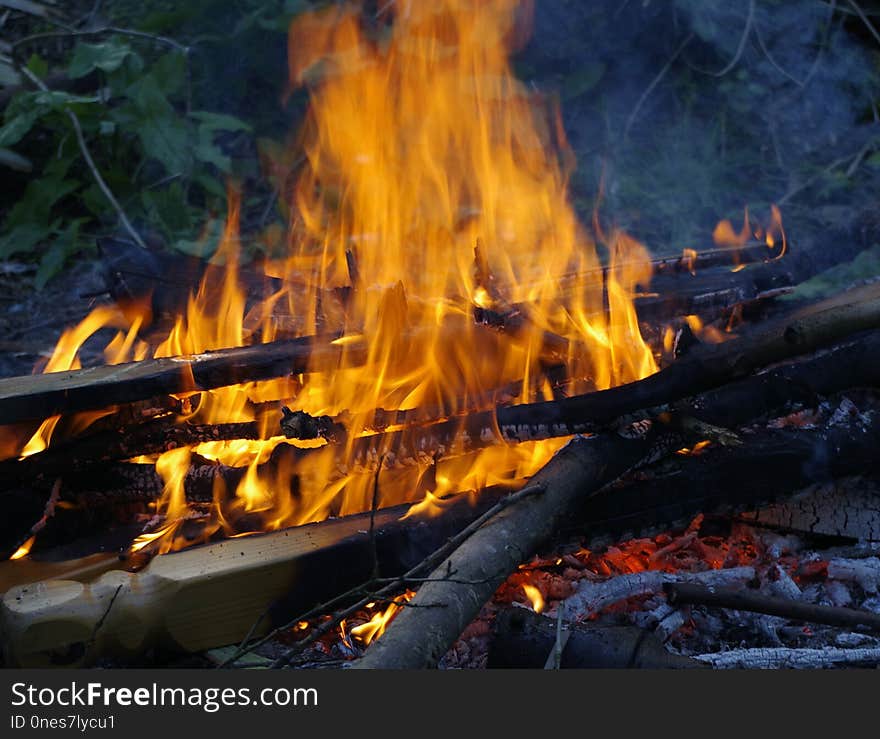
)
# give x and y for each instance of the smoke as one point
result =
(688, 111)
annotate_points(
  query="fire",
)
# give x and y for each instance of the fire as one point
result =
(24, 549)
(432, 184)
(535, 597)
(375, 627)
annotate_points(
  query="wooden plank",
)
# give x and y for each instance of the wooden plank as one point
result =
(210, 595)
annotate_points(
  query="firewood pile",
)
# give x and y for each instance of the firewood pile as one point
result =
(451, 426)
(742, 469)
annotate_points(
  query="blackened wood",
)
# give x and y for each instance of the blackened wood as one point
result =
(125, 442)
(856, 364)
(683, 593)
(91, 388)
(802, 331)
(771, 465)
(522, 639)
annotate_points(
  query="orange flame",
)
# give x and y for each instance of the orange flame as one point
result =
(375, 627)
(24, 549)
(419, 145)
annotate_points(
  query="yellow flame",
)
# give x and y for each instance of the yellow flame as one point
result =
(24, 549)
(419, 145)
(375, 627)
(535, 597)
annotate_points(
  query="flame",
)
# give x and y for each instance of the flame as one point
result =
(375, 627)
(430, 183)
(24, 549)
(535, 597)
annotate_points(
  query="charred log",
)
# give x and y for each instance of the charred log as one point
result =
(522, 639)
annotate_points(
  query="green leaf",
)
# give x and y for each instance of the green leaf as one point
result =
(209, 153)
(38, 65)
(58, 252)
(26, 108)
(16, 127)
(23, 238)
(107, 56)
(219, 121)
(162, 133)
(168, 206)
(170, 72)
(210, 185)
(205, 246)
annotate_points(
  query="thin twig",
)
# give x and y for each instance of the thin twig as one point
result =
(742, 42)
(389, 591)
(660, 75)
(73, 33)
(87, 156)
(865, 20)
(778, 67)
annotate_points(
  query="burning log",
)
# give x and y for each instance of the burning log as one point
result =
(523, 639)
(40, 396)
(806, 330)
(683, 593)
(419, 637)
(93, 388)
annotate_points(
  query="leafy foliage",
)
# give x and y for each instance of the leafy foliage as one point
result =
(165, 162)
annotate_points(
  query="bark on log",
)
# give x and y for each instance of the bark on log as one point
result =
(522, 639)
(771, 465)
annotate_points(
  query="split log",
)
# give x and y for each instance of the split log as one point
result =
(420, 636)
(608, 513)
(522, 639)
(684, 593)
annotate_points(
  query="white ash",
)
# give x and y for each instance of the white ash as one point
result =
(592, 597)
(854, 639)
(783, 585)
(780, 658)
(865, 572)
(837, 594)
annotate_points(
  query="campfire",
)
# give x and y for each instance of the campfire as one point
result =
(446, 374)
